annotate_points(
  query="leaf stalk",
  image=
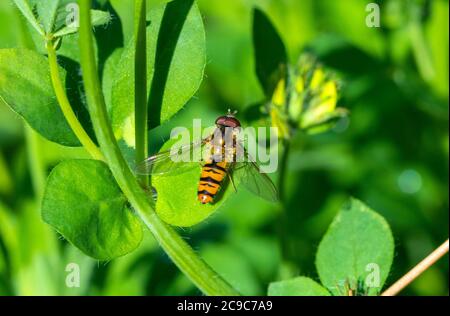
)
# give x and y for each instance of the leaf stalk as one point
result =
(140, 87)
(66, 108)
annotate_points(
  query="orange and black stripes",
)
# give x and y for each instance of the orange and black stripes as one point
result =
(212, 176)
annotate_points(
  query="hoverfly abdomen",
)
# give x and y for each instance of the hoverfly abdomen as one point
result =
(211, 179)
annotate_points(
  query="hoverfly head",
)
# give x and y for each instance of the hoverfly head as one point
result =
(228, 120)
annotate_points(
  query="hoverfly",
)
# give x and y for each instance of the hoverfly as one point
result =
(219, 162)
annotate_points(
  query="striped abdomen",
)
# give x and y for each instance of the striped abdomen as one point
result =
(211, 179)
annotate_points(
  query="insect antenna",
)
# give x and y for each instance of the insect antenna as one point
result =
(232, 113)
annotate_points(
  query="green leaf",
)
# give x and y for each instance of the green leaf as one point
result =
(269, 51)
(27, 11)
(109, 70)
(300, 286)
(356, 252)
(97, 18)
(53, 16)
(177, 202)
(83, 202)
(29, 92)
(47, 12)
(125, 11)
(179, 57)
(176, 60)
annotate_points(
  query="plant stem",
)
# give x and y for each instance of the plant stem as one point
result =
(202, 275)
(417, 270)
(66, 108)
(140, 85)
(283, 169)
(35, 163)
(288, 267)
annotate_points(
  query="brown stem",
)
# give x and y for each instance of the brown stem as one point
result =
(417, 270)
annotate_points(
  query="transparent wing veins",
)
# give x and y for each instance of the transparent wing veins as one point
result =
(169, 161)
(254, 180)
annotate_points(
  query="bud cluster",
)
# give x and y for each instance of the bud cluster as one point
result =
(305, 98)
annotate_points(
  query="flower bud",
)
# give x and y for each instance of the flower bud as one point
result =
(306, 100)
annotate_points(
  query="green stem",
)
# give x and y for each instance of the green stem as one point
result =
(66, 108)
(287, 269)
(140, 88)
(202, 275)
(283, 169)
(35, 163)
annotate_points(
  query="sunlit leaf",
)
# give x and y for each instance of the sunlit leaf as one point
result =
(356, 252)
(27, 10)
(84, 204)
(47, 12)
(29, 92)
(176, 59)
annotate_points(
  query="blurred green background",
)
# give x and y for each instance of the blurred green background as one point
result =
(392, 153)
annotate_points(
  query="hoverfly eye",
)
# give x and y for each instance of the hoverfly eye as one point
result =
(221, 121)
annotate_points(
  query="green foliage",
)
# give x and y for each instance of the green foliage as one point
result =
(50, 17)
(175, 59)
(300, 286)
(393, 152)
(84, 204)
(47, 12)
(29, 92)
(358, 243)
(27, 10)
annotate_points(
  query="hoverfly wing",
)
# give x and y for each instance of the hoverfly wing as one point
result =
(254, 180)
(170, 161)
(257, 182)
